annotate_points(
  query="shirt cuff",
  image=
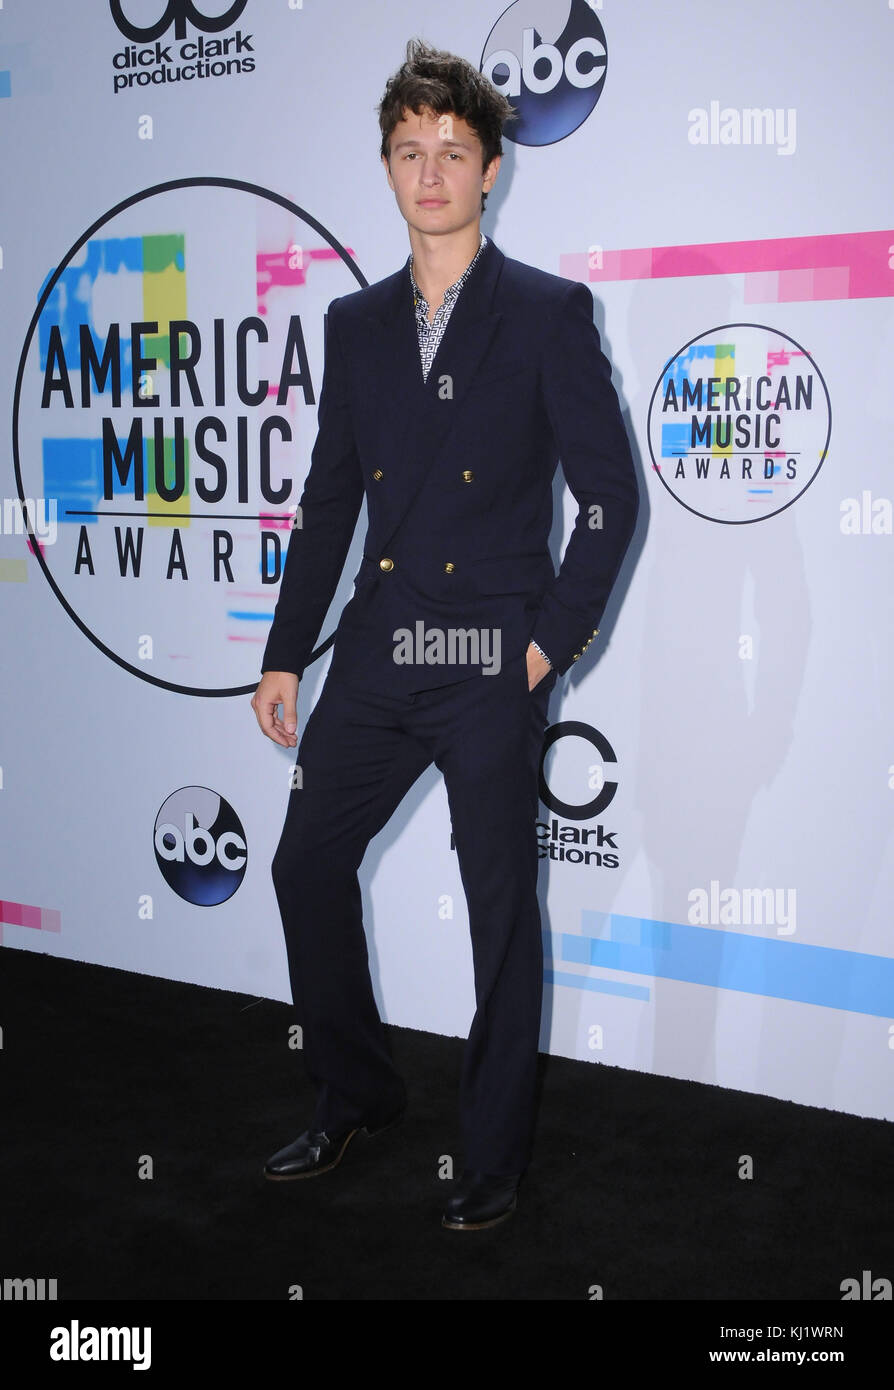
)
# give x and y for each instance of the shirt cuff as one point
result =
(538, 648)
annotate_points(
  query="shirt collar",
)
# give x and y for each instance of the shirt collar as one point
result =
(452, 290)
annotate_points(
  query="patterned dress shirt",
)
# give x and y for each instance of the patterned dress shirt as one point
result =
(430, 334)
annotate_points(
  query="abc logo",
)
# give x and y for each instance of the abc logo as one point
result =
(552, 71)
(200, 846)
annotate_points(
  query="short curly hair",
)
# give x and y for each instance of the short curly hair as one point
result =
(432, 80)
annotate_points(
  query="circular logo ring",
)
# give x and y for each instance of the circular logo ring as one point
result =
(745, 520)
(204, 182)
(590, 809)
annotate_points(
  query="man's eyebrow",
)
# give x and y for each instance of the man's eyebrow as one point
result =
(461, 144)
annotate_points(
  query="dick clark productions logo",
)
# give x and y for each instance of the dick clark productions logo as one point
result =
(739, 423)
(166, 398)
(175, 12)
(200, 846)
(155, 57)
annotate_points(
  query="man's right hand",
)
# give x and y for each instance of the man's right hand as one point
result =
(278, 688)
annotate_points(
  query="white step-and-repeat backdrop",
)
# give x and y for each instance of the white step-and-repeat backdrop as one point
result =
(186, 187)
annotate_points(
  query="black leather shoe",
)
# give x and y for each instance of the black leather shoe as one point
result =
(480, 1200)
(315, 1152)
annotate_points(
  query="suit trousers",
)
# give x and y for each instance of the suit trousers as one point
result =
(359, 754)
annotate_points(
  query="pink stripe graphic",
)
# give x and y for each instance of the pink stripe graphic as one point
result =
(850, 265)
(274, 269)
(275, 521)
(27, 915)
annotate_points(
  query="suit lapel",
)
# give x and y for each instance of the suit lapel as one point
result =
(427, 410)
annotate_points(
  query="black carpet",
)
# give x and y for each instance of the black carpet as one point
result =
(634, 1186)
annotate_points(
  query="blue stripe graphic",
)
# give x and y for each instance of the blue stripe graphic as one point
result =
(778, 969)
(599, 986)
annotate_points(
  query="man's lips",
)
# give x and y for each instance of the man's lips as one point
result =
(432, 202)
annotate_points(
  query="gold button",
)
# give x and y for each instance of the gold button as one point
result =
(468, 475)
(449, 567)
(386, 564)
(595, 631)
(378, 475)
(576, 656)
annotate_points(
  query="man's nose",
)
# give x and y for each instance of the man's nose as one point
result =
(430, 171)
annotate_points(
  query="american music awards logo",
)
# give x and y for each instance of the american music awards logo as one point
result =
(166, 401)
(739, 423)
(549, 59)
(163, 50)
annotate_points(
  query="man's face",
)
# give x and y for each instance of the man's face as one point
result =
(435, 172)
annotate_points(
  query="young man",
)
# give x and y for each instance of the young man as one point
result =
(450, 390)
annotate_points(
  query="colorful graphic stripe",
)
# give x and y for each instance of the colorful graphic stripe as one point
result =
(288, 269)
(161, 263)
(835, 979)
(14, 570)
(72, 473)
(73, 467)
(164, 289)
(780, 270)
(27, 915)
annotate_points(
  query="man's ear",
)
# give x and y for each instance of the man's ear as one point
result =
(490, 174)
(387, 172)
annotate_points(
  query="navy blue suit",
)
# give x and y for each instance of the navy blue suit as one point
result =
(457, 472)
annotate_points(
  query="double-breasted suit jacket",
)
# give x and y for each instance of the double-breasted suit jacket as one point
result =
(457, 472)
